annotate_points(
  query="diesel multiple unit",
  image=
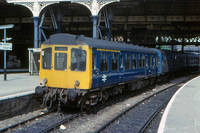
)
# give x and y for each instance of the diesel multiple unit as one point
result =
(81, 71)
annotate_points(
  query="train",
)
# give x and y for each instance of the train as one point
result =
(79, 71)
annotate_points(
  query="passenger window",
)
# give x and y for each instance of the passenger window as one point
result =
(134, 61)
(104, 61)
(60, 61)
(154, 62)
(122, 62)
(94, 61)
(158, 61)
(163, 61)
(146, 62)
(128, 61)
(78, 59)
(115, 61)
(151, 61)
(141, 61)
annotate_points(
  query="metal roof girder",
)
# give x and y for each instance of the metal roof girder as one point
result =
(35, 6)
(94, 5)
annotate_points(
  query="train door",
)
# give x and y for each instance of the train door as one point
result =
(95, 69)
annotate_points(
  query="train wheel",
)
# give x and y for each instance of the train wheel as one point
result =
(103, 100)
(84, 105)
(104, 97)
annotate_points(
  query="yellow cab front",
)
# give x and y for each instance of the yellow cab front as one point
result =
(66, 66)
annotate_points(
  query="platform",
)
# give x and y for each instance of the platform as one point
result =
(17, 85)
(182, 114)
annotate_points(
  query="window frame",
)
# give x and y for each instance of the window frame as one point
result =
(105, 57)
(128, 58)
(43, 54)
(114, 55)
(56, 63)
(134, 58)
(141, 61)
(79, 64)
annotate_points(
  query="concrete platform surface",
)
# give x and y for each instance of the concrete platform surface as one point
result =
(17, 85)
(182, 114)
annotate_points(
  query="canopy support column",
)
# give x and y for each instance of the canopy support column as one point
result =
(36, 35)
(95, 19)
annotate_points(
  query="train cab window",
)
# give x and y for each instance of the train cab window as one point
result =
(128, 61)
(104, 61)
(134, 61)
(78, 59)
(115, 61)
(94, 61)
(46, 58)
(60, 61)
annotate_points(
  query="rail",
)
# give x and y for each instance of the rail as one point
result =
(142, 129)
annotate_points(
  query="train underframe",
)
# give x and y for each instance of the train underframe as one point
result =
(84, 99)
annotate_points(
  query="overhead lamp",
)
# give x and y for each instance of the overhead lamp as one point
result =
(6, 26)
(7, 39)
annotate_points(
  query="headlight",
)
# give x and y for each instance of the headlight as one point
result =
(77, 83)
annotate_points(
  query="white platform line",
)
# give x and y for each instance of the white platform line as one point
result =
(17, 95)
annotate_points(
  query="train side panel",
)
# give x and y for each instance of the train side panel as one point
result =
(114, 66)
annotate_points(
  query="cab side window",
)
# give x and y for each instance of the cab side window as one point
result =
(46, 58)
(78, 59)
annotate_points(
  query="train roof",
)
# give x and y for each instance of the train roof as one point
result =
(67, 39)
(167, 52)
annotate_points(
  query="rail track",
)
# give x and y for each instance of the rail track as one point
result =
(140, 123)
(23, 122)
(28, 125)
(64, 121)
(106, 127)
